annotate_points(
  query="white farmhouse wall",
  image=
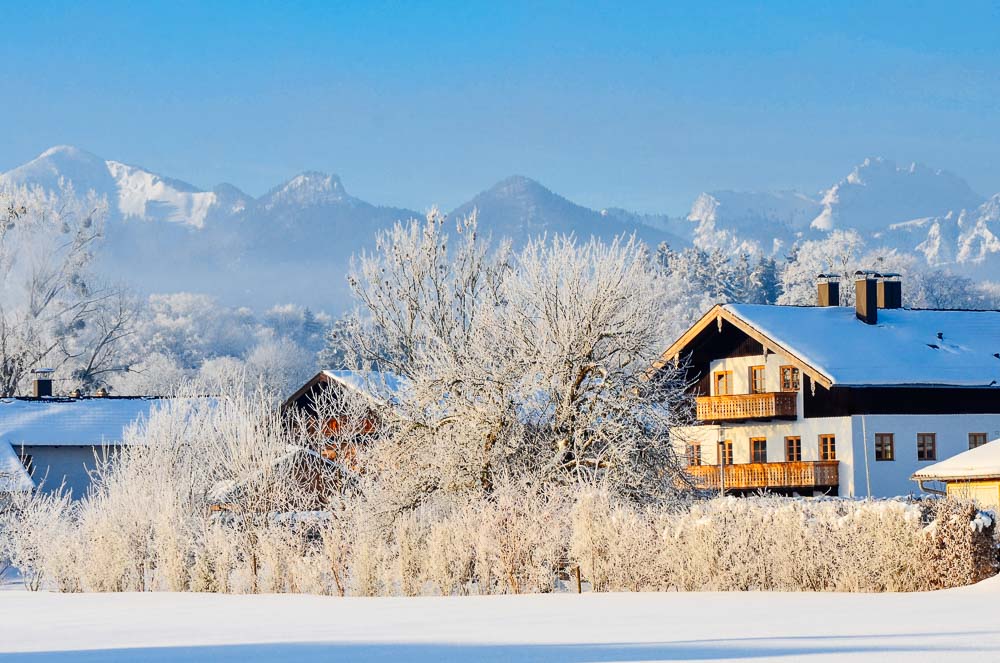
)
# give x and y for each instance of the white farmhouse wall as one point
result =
(891, 478)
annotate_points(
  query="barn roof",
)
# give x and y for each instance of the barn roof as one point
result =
(380, 386)
(905, 346)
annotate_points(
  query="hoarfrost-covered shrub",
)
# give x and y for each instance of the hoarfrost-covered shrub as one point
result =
(451, 552)
(521, 540)
(40, 539)
(781, 544)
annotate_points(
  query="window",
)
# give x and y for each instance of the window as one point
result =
(885, 446)
(727, 452)
(793, 449)
(789, 378)
(827, 447)
(694, 454)
(757, 385)
(926, 446)
(723, 383)
(976, 440)
(758, 450)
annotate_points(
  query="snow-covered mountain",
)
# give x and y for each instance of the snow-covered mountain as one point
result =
(878, 193)
(134, 193)
(931, 213)
(751, 220)
(519, 207)
(294, 243)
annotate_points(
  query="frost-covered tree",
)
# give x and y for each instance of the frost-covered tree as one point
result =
(844, 252)
(181, 337)
(528, 365)
(53, 310)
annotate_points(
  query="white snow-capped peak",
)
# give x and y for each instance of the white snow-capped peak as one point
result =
(878, 193)
(307, 189)
(148, 196)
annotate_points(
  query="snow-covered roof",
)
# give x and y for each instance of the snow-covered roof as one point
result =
(380, 385)
(69, 422)
(905, 347)
(979, 463)
(13, 475)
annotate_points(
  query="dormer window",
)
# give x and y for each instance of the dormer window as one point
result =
(789, 378)
(757, 385)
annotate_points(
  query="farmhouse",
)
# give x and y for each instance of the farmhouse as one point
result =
(48, 441)
(832, 399)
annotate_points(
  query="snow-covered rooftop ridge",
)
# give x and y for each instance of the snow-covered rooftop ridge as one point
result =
(70, 422)
(978, 463)
(905, 347)
(13, 475)
(381, 385)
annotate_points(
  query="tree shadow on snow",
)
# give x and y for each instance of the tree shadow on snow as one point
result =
(695, 650)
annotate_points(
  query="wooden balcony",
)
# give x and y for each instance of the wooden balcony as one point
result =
(763, 476)
(738, 407)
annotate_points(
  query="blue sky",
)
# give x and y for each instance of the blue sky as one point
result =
(640, 105)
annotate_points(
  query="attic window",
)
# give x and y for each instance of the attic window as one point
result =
(789, 378)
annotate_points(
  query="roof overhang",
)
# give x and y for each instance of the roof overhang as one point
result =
(950, 478)
(719, 314)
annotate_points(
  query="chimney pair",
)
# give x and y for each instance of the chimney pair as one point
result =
(872, 291)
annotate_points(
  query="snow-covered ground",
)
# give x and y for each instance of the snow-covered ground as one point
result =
(954, 625)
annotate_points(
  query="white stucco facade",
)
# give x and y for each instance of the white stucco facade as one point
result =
(860, 473)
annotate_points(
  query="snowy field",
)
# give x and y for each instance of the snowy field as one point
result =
(953, 625)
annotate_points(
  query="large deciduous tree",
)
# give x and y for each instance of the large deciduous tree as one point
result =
(526, 365)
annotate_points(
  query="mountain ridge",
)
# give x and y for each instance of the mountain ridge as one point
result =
(167, 234)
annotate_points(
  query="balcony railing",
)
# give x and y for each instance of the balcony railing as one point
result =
(775, 405)
(753, 476)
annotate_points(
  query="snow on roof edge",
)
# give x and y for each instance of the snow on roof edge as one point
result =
(980, 463)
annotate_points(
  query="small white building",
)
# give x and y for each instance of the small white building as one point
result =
(837, 400)
(49, 441)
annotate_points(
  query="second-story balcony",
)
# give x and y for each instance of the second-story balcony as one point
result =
(741, 407)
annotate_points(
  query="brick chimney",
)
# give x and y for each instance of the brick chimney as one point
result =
(866, 297)
(828, 290)
(42, 382)
(890, 291)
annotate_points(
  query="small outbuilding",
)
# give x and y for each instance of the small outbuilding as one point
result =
(972, 474)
